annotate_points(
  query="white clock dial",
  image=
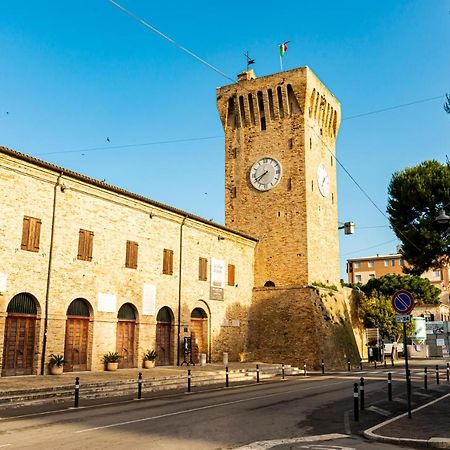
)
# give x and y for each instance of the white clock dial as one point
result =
(265, 174)
(323, 180)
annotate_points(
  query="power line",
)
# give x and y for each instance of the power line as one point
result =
(115, 147)
(369, 248)
(167, 38)
(390, 108)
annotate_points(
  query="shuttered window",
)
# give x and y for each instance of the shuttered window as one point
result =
(131, 258)
(231, 274)
(202, 269)
(85, 245)
(31, 233)
(168, 262)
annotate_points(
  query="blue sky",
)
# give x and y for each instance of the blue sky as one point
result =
(76, 73)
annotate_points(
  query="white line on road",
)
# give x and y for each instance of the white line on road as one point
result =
(201, 408)
(261, 445)
(5, 445)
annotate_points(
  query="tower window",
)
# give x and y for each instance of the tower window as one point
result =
(269, 284)
(252, 109)
(310, 143)
(234, 152)
(280, 102)
(232, 117)
(311, 102)
(290, 143)
(233, 192)
(262, 116)
(312, 185)
(331, 160)
(271, 107)
(242, 110)
(294, 107)
(289, 184)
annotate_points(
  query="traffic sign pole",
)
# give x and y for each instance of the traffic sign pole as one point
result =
(408, 380)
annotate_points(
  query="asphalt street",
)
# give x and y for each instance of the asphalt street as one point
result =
(301, 412)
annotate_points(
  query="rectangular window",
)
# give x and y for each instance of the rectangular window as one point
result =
(356, 264)
(31, 233)
(392, 262)
(231, 275)
(85, 244)
(386, 263)
(131, 258)
(202, 269)
(369, 263)
(168, 262)
(437, 274)
(402, 262)
(371, 275)
(358, 278)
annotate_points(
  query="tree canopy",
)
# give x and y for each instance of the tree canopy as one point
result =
(416, 196)
(422, 289)
(376, 307)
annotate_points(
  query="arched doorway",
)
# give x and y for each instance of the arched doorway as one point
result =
(164, 321)
(199, 333)
(20, 335)
(126, 333)
(77, 336)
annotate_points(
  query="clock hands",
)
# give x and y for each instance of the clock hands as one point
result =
(258, 178)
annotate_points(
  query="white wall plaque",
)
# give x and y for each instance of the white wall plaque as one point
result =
(440, 342)
(3, 282)
(218, 273)
(149, 300)
(106, 303)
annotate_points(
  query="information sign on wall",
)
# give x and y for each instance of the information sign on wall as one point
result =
(149, 300)
(217, 279)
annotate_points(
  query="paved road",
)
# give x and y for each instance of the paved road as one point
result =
(301, 412)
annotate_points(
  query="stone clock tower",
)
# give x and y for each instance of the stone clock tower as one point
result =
(280, 174)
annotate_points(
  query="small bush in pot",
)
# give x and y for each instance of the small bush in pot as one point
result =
(56, 364)
(111, 360)
(149, 359)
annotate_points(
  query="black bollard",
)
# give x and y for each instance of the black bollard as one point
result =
(448, 372)
(385, 363)
(390, 386)
(226, 377)
(77, 392)
(360, 365)
(257, 373)
(355, 403)
(282, 371)
(392, 360)
(437, 374)
(425, 378)
(375, 363)
(361, 393)
(189, 380)
(323, 368)
(304, 368)
(349, 368)
(140, 385)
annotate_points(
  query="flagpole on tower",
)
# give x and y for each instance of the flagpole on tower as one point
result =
(281, 63)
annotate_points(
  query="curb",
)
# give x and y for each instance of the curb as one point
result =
(434, 442)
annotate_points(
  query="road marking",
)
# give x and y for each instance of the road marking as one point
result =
(202, 408)
(347, 428)
(260, 445)
(381, 411)
(5, 445)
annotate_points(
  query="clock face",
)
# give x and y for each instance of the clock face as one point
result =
(323, 180)
(265, 174)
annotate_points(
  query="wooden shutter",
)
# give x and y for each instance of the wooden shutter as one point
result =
(231, 275)
(25, 233)
(202, 269)
(31, 233)
(168, 262)
(132, 255)
(85, 245)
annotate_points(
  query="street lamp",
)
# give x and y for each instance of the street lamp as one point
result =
(442, 218)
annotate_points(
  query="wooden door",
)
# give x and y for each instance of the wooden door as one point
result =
(18, 352)
(125, 343)
(75, 349)
(199, 341)
(163, 343)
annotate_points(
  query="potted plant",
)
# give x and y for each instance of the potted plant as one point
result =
(111, 361)
(149, 359)
(56, 364)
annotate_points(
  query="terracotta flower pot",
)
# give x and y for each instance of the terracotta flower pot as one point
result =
(56, 370)
(149, 364)
(112, 366)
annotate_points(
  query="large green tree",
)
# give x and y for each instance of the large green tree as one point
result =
(416, 196)
(422, 289)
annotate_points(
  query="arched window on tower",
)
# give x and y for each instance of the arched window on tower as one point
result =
(280, 102)
(294, 107)
(262, 115)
